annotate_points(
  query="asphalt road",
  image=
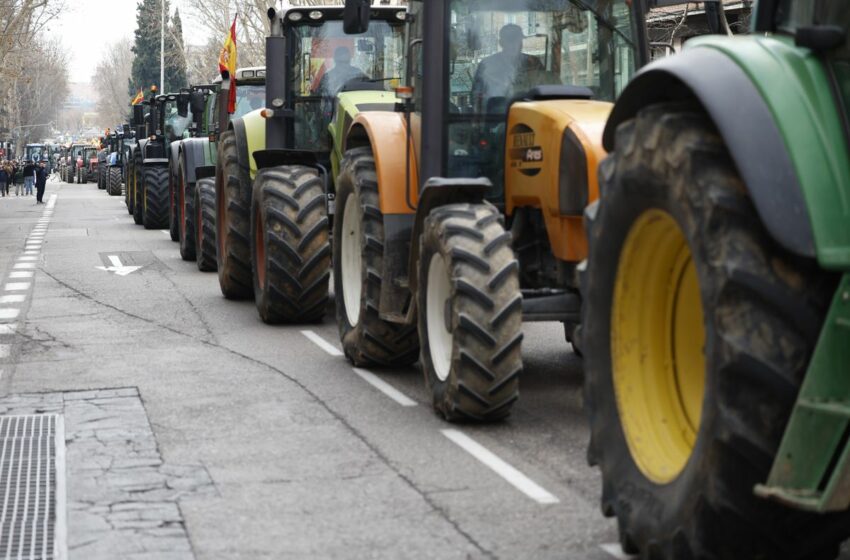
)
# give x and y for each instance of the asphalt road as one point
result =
(306, 457)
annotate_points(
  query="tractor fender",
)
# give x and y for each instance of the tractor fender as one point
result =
(193, 152)
(250, 131)
(744, 120)
(386, 134)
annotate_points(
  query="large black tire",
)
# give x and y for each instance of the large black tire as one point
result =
(472, 363)
(155, 196)
(204, 236)
(762, 310)
(290, 245)
(366, 338)
(173, 214)
(113, 181)
(233, 222)
(101, 177)
(130, 185)
(186, 214)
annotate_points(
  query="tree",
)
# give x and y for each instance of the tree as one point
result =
(175, 55)
(146, 48)
(110, 80)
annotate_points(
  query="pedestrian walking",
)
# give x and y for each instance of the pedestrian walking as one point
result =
(29, 177)
(16, 181)
(4, 179)
(40, 182)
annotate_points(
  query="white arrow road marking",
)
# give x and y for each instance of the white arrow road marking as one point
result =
(615, 551)
(118, 268)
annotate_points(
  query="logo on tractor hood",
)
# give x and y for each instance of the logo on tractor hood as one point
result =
(523, 151)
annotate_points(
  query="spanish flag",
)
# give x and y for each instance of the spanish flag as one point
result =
(139, 98)
(227, 65)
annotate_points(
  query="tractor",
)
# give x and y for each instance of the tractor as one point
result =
(166, 122)
(35, 153)
(716, 315)
(115, 160)
(459, 215)
(102, 154)
(86, 164)
(192, 101)
(198, 158)
(73, 157)
(320, 79)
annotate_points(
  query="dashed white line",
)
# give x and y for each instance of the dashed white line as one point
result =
(9, 313)
(21, 274)
(24, 265)
(25, 258)
(384, 387)
(322, 343)
(616, 551)
(5, 350)
(17, 286)
(30, 252)
(13, 298)
(165, 231)
(8, 328)
(500, 467)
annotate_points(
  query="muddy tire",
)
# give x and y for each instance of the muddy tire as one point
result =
(469, 313)
(185, 214)
(358, 241)
(233, 222)
(113, 181)
(204, 222)
(155, 195)
(173, 213)
(685, 286)
(290, 245)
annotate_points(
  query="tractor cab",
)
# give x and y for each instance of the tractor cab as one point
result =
(35, 153)
(321, 65)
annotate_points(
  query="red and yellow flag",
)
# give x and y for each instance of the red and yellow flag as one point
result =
(227, 65)
(139, 98)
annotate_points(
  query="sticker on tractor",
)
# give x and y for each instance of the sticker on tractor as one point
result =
(524, 153)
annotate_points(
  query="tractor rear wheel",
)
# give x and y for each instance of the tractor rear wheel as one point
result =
(204, 223)
(290, 246)
(155, 195)
(233, 222)
(358, 241)
(185, 214)
(173, 214)
(129, 180)
(138, 203)
(101, 177)
(113, 180)
(698, 332)
(469, 313)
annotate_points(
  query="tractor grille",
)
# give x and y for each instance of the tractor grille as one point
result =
(28, 486)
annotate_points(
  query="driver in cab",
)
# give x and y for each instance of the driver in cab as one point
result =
(343, 72)
(507, 72)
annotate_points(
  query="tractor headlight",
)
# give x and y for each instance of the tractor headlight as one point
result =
(315, 14)
(295, 16)
(572, 177)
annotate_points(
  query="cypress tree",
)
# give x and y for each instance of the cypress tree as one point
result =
(145, 72)
(175, 55)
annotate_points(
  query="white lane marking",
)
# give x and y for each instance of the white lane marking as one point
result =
(616, 551)
(22, 274)
(118, 268)
(24, 265)
(5, 350)
(25, 258)
(60, 540)
(9, 328)
(9, 313)
(30, 252)
(165, 231)
(322, 343)
(17, 286)
(500, 467)
(13, 298)
(384, 387)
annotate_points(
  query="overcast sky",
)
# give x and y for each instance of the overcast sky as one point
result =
(86, 27)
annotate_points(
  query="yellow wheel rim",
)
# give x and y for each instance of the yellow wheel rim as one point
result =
(657, 346)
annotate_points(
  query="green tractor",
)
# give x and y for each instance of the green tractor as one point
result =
(717, 295)
(274, 229)
(197, 157)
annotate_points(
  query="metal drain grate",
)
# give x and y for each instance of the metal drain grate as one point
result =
(29, 486)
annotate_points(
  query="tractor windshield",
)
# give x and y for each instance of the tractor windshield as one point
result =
(249, 98)
(326, 61)
(175, 125)
(501, 49)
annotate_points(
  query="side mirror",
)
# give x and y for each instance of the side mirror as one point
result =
(355, 16)
(197, 102)
(183, 104)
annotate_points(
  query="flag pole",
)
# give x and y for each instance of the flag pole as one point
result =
(162, 50)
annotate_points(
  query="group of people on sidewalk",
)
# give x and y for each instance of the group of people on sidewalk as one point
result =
(33, 175)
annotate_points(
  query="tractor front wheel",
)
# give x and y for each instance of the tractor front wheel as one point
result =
(185, 214)
(113, 181)
(233, 222)
(470, 313)
(204, 224)
(358, 252)
(155, 186)
(138, 203)
(698, 331)
(174, 183)
(290, 246)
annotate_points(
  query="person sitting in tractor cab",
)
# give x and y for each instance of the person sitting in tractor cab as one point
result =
(342, 73)
(507, 72)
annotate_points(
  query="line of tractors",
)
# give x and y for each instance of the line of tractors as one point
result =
(455, 168)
